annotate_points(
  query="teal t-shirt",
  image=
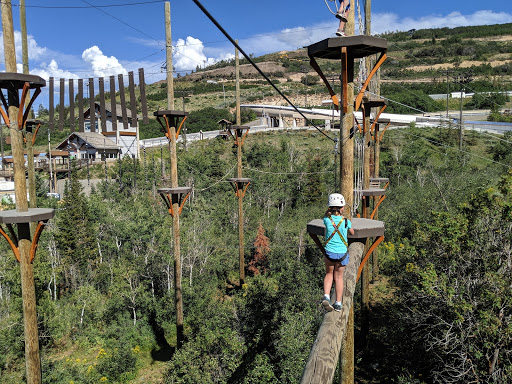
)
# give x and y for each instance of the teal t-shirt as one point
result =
(336, 245)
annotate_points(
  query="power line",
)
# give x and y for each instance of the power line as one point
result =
(90, 5)
(121, 21)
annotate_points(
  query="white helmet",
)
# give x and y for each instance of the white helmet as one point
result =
(336, 200)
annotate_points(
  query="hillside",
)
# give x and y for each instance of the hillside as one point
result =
(416, 66)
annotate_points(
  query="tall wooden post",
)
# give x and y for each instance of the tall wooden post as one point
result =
(169, 120)
(376, 170)
(30, 150)
(240, 214)
(24, 38)
(347, 366)
(239, 172)
(32, 361)
(365, 276)
(174, 179)
(168, 55)
(237, 88)
(346, 358)
(346, 142)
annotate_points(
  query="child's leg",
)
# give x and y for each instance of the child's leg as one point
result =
(329, 275)
(338, 280)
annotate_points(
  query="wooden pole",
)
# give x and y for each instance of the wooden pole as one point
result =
(346, 142)
(174, 181)
(346, 358)
(30, 150)
(237, 88)
(239, 172)
(376, 170)
(168, 53)
(32, 361)
(365, 276)
(347, 367)
(240, 215)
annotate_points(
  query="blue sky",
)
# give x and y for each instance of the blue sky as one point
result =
(87, 42)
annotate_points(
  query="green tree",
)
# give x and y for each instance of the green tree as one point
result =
(75, 235)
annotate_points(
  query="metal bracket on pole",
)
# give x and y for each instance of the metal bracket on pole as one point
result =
(14, 82)
(239, 185)
(33, 215)
(171, 119)
(172, 196)
(375, 244)
(237, 132)
(377, 65)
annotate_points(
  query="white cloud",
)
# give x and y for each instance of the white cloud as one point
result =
(102, 65)
(35, 52)
(189, 54)
(53, 70)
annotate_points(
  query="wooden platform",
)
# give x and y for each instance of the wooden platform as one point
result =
(363, 228)
(371, 192)
(357, 47)
(33, 215)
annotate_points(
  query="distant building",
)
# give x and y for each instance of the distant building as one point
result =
(126, 137)
(90, 145)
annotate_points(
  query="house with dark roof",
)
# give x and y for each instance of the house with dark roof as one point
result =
(122, 132)
(90, 145)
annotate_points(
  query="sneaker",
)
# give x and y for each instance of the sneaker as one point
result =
(327, 306)
(337, 307)
(340, 33)
(340, 16)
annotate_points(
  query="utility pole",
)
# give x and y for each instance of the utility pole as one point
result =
(463, 79)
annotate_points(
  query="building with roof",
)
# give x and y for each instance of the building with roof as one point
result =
(123, 130)
(90, 145)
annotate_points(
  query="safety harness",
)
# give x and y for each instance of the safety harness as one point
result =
(337, 230)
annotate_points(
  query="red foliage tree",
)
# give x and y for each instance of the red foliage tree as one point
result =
(259, 262)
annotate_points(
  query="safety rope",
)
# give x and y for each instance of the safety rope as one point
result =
(335, 5)
(363, 73)
(359, 149)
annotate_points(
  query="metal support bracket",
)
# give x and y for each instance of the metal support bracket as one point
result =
(375, 244)
(238, 186)
(318, 70)
(14, 241)
(377, 205)
(174, 198)
(377, 65)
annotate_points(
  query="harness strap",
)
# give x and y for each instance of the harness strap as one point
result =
(336, 230)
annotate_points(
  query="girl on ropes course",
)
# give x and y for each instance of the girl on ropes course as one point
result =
(336, 250)
(341, 13)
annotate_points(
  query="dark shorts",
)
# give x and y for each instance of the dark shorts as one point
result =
(337, 257)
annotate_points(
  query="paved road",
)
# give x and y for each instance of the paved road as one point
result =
(479, 126)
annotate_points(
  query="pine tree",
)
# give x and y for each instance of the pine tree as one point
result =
(75, 236)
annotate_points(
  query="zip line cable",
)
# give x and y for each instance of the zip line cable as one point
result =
(212, 19)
